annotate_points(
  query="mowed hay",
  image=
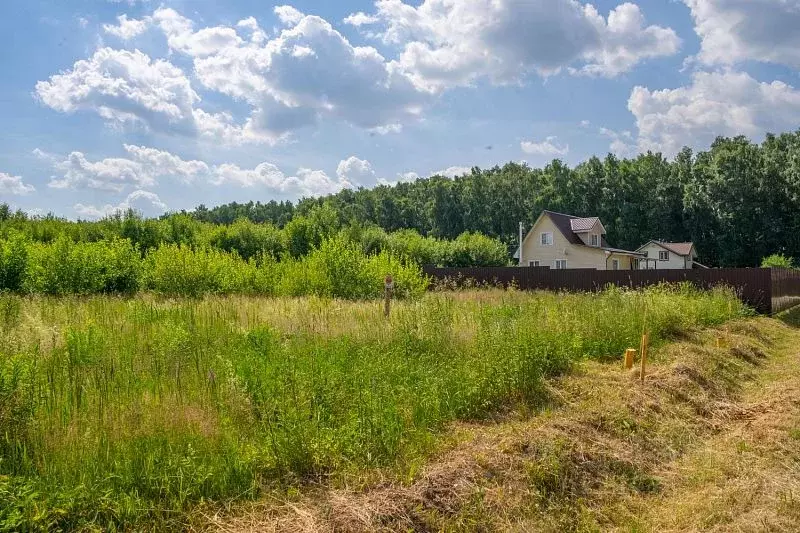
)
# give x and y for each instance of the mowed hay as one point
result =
(593, 460)
(131, 413)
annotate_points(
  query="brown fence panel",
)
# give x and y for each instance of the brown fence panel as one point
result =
(753, 285)
(785, 289)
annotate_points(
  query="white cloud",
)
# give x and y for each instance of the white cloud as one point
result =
(127, 87)
(622, 143)
(738, 30)
(453, 172)
(182, 37)
(306, 183)
(404, 177)
(626, 41)
(585, 123)
(449, 43)
(719, 103)
(288, 15)
(14, 185)
(356, 171)
(160, 163)
(127, 28)
(308, 72)
(546, 147)
(141, 169)
(361, 19)
(145, 202)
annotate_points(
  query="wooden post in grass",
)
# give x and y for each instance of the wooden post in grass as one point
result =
(388, 289)
(630, 355)
(645, 343)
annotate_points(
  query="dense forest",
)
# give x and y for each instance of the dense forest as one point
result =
(739, 201)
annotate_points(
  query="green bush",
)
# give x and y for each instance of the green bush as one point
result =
(13, 263)
(176, 270)
(777, 261)
(65, 267)
(249, 240)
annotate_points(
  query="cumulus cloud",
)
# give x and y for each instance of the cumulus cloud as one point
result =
(403, 177)
(182, 37)
(718, 103)
(127, 87)
(452, 172)
(126, 28)
(145, 168)
(144, 202)
(288, 15)
(141, 170)
(361, 19)
(738, 30)
(622, 143)
(309, 72)
(307, 182)
(356, 171)
(546, 147)
(450, 43)
(14, 185)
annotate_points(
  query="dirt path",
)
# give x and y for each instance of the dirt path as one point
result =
(711, 442)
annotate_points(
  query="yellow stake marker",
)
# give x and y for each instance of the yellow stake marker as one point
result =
(630, 355)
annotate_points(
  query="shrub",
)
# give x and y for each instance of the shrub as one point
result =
(249, 240)
(777, 261)
(13, 263)
(176, 270)
(65, 267)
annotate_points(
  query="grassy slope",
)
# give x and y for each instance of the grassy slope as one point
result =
(711, 442)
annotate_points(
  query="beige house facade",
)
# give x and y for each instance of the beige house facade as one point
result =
(561, 241)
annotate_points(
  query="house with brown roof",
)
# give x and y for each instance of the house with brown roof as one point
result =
(562, 241)
(660, 255)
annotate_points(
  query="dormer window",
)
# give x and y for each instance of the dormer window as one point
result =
(594, 239)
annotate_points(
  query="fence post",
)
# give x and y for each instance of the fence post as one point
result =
(388, 289)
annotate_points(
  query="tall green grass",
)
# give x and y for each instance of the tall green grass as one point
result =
(128, 414)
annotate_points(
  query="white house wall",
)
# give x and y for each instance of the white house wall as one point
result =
(676, 262)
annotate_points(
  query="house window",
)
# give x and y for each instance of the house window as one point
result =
(593, 240)
(534, 263)
(560, 264)
(663, 256)
(615, 264)
(547, 239)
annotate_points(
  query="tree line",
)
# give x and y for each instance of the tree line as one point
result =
(738, 201)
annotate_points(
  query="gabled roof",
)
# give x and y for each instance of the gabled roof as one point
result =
(565, 223)
(680, 248)
(579, 225)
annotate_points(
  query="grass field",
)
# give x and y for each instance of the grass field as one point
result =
(130, 413)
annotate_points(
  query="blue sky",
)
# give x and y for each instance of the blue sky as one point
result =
(167, 105)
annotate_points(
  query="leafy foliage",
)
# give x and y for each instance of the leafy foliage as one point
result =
(778, 261)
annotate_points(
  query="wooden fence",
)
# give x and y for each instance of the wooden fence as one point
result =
(766, 290)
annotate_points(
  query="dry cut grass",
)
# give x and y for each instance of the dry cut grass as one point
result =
(710, 442)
